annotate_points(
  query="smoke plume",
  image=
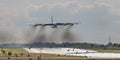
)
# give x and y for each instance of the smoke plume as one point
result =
(56, 34)
(39, 34)
(68, 35)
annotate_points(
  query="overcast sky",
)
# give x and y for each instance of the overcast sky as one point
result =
(99, 18)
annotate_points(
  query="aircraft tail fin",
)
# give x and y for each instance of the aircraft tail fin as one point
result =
(52, 19)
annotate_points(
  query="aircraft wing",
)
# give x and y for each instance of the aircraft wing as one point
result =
(38, 25)
(64, 24)
(56, 24)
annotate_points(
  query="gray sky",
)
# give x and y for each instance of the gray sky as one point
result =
(99, 18)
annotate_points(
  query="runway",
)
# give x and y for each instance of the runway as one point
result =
(74, 52)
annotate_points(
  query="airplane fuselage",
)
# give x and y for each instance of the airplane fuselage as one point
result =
(54, 24)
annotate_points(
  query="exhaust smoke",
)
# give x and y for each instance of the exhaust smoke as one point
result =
(56, 34)
(68, 35)
(39, 34)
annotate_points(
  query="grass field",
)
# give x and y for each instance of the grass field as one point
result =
(106, 50)
(19, 52)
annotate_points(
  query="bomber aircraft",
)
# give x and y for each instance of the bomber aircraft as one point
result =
(55, 24)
